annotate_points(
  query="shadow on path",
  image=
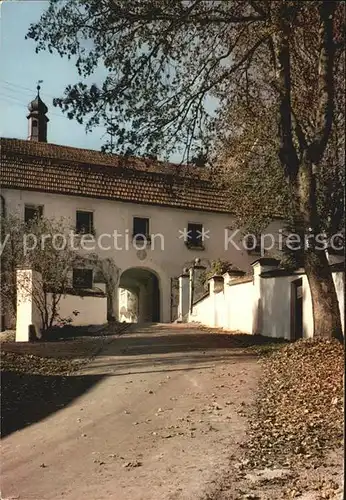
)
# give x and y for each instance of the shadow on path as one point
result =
(165, 341)
(26, 399)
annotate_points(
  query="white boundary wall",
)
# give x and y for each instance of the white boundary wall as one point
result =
(239, 307)
(92, 309)
(262, 305)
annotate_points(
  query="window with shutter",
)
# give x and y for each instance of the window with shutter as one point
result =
(195, 232)
(32, 213)
(84, 222)
(82, 278)
(141, 228)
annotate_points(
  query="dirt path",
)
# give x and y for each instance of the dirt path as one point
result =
(159, 422)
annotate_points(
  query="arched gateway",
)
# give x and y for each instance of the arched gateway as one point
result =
(139, 296)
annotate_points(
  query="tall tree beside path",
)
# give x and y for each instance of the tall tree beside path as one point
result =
(279, 61)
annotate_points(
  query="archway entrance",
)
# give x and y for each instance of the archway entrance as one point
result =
(139, 296)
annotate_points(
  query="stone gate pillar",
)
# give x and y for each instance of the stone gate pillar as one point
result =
(259, 266)
(196, 286)
(184, 297)
(29, 321)
(216, 287)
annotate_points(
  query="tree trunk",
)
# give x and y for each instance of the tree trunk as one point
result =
(325, 306)
(298, 164)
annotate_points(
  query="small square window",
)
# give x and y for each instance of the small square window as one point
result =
(141, 228)
(32, 213)
(82, 278)
(84, 222)
(195, 232)
(253, 244)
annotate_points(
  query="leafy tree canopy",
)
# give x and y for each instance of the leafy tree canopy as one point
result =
(165, 58)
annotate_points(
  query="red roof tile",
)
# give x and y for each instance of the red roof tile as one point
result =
(51, 168)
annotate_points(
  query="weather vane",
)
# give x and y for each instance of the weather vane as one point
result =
(38, 85)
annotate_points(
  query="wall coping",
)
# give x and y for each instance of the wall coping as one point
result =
(266, 261)
(276, 273)
(183, 275)
(86, 292)
(241, 281)
(216, 277)
(205, 296)
(234, 272)
(197, 267)
(337, 267)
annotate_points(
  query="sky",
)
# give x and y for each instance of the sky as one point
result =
(21, 68)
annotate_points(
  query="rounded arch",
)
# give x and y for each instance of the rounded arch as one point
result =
(151, 270)
(141, 301)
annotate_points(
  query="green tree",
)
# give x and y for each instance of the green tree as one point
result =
(44, 245)
(33, 246)
(218, 267)
(165, 58)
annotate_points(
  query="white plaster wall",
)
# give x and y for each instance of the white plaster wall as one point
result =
(308, 320)
(233, 309)
(183, 298)
(219, 310)
(230, 309)
(203, 312)
(239, 307)
(128, 301)
(339, 282)
(27, 311)
(275, 295)
(114, 215)
(276, 306)
(92, 310)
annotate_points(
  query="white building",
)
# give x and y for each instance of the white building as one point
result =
(137, 211)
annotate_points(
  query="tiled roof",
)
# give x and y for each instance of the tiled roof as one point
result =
(51, 168)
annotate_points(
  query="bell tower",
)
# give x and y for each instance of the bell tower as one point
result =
(37, 119)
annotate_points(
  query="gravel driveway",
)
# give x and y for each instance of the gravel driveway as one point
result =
(159, 422)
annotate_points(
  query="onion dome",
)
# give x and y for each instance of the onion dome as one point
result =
(37, 105)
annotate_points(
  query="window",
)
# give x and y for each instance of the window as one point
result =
(141, 228)
(32, 213)
(84, 222)
(253, 243)
(82, 278)
(195, 238)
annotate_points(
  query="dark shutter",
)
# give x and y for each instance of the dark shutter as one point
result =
(32, 212)
(82, 278)
(140, 226)
(84, 222)
(195, 235)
